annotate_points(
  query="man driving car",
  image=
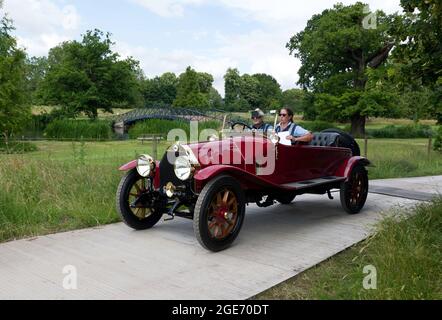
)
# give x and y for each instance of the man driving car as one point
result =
(258, 122)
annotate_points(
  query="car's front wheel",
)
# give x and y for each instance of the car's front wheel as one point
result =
(354, 191)
(135, 203)
(219, 213)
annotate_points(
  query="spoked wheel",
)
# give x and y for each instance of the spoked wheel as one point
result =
(219, 213)
(135, 202)
(354, 192)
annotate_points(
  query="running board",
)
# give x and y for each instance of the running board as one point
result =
(313, 182)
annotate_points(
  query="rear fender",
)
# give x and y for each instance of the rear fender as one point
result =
(347, 167)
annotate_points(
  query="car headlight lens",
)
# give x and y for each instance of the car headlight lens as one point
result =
(183, 168)
(145, 165)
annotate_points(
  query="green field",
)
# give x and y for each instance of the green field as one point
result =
(66, 185)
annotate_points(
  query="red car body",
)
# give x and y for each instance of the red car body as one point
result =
(248, 169)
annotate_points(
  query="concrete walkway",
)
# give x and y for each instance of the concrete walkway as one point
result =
(114, 262)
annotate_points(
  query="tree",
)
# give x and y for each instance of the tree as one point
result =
(36, 68)
(215, 99)
(336, 50)
(249, 92)
(14, 110)
(86, 76)
(246, 92)
(232, 86)
(160, 90)
(269, 92)
(193, 90)
(420, 50)
(293, 98)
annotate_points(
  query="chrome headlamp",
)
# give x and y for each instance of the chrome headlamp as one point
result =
(145, 165)
(183, 168)
(186, 163)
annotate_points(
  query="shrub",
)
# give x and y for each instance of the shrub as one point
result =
(438, 140)
(401, 132)
(79, 129)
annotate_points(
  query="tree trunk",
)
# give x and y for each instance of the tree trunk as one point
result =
(358, 126)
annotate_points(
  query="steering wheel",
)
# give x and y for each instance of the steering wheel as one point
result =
(240, 126)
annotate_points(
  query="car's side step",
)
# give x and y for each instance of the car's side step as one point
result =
(313, 182)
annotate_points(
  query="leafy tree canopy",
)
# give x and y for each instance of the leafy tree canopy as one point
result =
(193, 89)
(246, 92)
(14, 110)
(420, 52)
(336, 50)
(160, 90)
(86, 76)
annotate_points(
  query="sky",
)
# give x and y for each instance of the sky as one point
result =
(169, 35)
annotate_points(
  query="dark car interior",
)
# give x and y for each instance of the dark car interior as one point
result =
(325, 139)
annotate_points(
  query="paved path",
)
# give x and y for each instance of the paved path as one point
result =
(114, 262)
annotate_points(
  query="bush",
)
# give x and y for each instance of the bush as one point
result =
(163, 127)
(401, 132)
(79, 129)
(438, 140)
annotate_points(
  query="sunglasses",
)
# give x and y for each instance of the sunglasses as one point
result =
(283, 115)
(256, 118)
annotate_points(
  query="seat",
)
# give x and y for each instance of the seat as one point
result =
(325, 139)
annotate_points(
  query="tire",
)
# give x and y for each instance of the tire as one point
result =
(354, 192)
(215, 214)
(128, 214)
(346, 141)
(285, 199)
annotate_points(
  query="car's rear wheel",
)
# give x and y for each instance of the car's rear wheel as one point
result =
(354, 191)
(144, 215)
(219, 213)
(286, 198)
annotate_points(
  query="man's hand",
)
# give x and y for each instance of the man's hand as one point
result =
(290, 137)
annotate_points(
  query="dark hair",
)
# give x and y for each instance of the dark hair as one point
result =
(289, 112)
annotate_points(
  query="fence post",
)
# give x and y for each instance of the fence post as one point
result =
(430, 146)
(366, 147)
(155, 148)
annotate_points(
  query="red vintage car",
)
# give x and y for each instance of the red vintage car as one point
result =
(211, 182)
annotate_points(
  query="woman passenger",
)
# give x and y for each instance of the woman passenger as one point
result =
(297, 133)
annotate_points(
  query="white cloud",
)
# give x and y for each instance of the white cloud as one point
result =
(167, 8)
(155, 61)
(259, 51)
(255, 52)
(42, 24)
(283, 11)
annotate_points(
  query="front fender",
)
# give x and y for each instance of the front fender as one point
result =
(129, 166)
(133, 164)
(346, 168)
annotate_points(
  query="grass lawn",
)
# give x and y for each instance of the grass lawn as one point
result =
(406, 255)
